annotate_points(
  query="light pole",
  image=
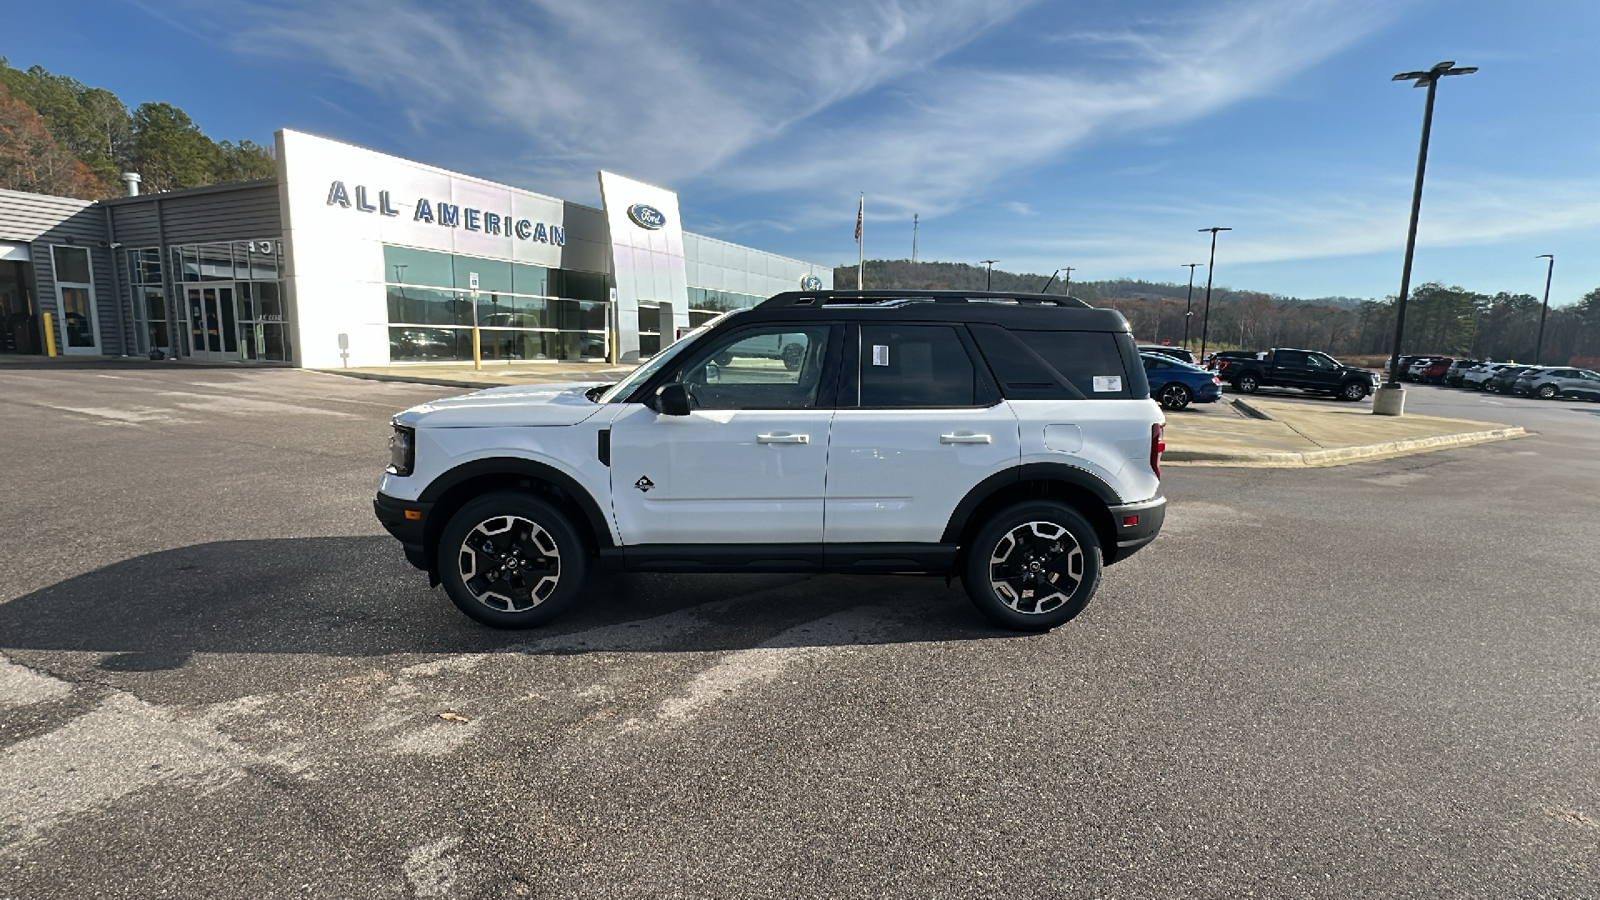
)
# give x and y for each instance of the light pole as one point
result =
(989, 284)
(1205, 325)
(1538, 348)
(1390, 401)
(1188, 305)
(1066, 283)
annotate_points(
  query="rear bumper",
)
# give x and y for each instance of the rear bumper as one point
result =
(407, 521)
(1147, 515)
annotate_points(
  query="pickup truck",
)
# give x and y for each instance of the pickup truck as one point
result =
(1305, 369)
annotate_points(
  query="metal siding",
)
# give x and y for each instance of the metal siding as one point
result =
(26, 217)
(235, 215)
(135, 224)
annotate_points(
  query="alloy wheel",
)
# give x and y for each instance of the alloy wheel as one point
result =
(510, 563)
(1036, 567)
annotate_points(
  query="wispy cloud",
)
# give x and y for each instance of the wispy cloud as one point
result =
(664, 92)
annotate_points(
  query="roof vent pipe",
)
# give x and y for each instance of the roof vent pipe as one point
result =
(131, 179)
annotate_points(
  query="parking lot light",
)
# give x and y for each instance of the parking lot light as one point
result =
(1205, 324)
(1538, 347)
(1390, 399)
(1188, 305)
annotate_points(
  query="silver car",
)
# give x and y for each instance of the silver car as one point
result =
(1565, 382)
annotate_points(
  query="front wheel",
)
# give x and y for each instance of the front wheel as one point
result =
(511, 560)
(1248, 384)
(1174, 396)
(1353, 391)
(1033, 566)
(793, 354)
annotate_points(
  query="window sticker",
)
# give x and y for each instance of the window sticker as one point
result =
(880, 354)
(1104, 383)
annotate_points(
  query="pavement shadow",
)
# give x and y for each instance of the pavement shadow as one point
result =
(355, 597)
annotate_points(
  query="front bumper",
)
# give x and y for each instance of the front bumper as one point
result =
(1147, 517)
(407, 520)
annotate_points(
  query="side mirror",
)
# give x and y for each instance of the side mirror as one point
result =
(672, 400)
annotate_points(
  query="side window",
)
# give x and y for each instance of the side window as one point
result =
(1318, 361)
(1088, 359)
(1290, 358)
(779, 367)
(912, 366)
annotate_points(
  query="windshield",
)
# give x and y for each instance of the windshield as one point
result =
(658, 362)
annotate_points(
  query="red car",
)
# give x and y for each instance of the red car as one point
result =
(1435, 371)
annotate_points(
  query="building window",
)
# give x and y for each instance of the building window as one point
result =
(231, 293)
(142, 275)
(522, 311)
(706, 304)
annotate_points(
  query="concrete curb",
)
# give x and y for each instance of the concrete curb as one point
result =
(1338, 456)
(1251, 411)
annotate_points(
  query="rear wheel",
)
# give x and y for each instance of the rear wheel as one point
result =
(1547, 392)
(511, 560)
(1033, 566)
(1248, 384)
(1174, 396)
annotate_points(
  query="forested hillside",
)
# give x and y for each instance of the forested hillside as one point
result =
(59, 136)
(1439, 319)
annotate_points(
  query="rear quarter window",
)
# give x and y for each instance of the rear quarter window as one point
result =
(1093, 361)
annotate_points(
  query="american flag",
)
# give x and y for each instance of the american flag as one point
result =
(859, 212)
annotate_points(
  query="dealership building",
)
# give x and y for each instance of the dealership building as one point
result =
(350, 257)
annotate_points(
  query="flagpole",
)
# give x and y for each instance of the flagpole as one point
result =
(861, 243)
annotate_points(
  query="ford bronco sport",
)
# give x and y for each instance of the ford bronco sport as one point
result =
(1009, 439)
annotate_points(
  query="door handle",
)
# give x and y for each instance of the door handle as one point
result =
(783, 437)
(965, 437)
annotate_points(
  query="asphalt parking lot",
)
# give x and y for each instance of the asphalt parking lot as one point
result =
(218, 677)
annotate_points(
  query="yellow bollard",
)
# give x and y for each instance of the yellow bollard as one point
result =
(49, 336)
(477, 350)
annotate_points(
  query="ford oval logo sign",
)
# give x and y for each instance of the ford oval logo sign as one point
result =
(646, 216)
(810, 283)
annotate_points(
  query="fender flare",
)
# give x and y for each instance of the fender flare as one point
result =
(1073, 475)
(513, 465)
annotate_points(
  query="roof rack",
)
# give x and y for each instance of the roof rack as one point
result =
(881, 299)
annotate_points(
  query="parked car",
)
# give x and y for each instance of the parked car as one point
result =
(1501, 381)
(1177, 353)
(1435, 370)
(1014, 444)
(1524, 383)
(1215, 360)
(1405, 363)
(1304, 369)
(1422, 366)
(1176, 384)
(1563, 382)
(1458, 370)
(1478, 377)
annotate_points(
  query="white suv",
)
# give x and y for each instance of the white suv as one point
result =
(1007, 438)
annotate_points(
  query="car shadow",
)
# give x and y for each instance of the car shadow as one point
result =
(356, 597)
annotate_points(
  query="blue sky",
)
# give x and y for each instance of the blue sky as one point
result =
(1099, 135)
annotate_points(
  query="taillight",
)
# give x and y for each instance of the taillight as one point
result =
(1158, 446)
(1215, 380)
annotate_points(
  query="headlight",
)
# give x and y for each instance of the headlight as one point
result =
(402, 450)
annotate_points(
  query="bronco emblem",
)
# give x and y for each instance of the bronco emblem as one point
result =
(644, 483)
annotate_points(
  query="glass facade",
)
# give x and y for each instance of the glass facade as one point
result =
(141, 276)
(522, 311)
(706, 304)
(228, 293)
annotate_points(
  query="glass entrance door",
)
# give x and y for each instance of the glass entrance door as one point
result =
(213, 333)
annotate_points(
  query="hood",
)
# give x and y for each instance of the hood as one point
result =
(516, 405)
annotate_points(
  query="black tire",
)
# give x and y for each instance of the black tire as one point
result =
(792, 356)
(1247, 384)
(1174, 396)
(517, 532)
(1058, 547)
(1547, 392)
(722, 359)
(1352, 391)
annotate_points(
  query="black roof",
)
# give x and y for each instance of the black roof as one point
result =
(1043, 312)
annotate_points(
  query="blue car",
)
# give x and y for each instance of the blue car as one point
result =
(1175, 385)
